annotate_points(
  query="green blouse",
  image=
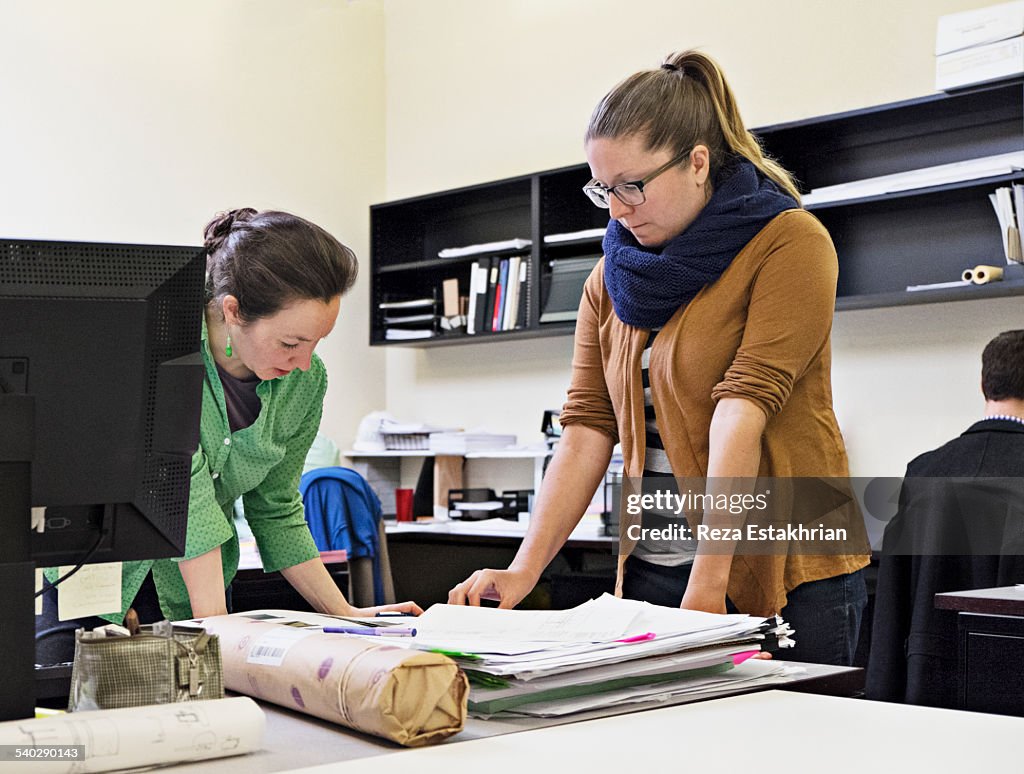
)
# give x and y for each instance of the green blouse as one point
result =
(261, 464)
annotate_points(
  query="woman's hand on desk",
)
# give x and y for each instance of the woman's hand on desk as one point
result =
(509, 587)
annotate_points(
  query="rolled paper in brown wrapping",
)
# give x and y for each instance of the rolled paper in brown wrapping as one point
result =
(410, 697)
(982, 274)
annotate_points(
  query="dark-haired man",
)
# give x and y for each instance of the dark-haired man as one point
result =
(960, 506)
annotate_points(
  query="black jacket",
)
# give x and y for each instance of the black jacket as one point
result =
(946, 536)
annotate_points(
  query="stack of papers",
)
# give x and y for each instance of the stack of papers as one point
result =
(603, 653)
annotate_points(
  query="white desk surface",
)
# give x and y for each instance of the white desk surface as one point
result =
(293, 741)
(774, 731)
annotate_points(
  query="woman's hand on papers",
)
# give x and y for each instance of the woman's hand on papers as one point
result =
(401, 607)
(509, 587)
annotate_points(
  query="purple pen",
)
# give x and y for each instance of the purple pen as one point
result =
(383, 631)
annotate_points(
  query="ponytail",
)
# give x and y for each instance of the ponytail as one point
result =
(683, 103)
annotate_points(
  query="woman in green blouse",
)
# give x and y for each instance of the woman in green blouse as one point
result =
(274, 284)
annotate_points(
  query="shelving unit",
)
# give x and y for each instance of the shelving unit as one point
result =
(885, 241)
(387, 477)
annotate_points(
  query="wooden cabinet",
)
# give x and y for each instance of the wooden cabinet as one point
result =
(890, 232)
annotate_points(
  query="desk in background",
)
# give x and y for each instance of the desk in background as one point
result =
(254, 589)
(427, 559)
(990, 627)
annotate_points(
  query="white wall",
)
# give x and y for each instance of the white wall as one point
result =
(480, 89)
(136, 121)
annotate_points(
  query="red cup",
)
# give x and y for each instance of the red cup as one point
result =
(403, 504)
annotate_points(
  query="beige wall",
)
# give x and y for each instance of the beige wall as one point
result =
(136, 121)
(480, 89)
(131, 121)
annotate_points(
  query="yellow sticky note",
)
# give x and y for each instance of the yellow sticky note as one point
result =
(93, 590)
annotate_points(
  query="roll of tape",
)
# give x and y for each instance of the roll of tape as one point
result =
(982, 274)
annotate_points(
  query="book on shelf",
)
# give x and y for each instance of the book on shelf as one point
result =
(498, 297)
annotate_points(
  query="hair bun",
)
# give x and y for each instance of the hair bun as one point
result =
(218, 229)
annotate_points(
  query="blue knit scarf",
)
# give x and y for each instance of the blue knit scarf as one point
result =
(648, 286)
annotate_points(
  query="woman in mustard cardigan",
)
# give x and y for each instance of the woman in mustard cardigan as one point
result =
(703, 347)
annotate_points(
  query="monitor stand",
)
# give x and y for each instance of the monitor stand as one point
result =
(17, 571)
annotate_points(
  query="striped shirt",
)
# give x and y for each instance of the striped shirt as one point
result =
(658, 476)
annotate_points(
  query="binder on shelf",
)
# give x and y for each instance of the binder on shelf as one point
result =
(522, 317)
(499, 294)
(474, 272)
(492, 285)
(564, 287)
(511, 305)
(483, 274)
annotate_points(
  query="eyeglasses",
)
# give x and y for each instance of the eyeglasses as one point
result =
(631, 193)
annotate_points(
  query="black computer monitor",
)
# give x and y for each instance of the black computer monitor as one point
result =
(100, 393)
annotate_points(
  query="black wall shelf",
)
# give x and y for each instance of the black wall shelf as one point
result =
(885, 241)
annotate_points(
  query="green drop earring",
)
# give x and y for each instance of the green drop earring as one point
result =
(227, 347)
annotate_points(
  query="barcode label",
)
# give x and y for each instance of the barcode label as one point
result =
(271, 648)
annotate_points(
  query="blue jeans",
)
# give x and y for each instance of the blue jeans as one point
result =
(825, 614)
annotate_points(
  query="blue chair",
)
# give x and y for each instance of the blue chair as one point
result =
(343, 512)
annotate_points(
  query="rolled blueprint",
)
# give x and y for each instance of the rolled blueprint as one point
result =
(982, 274)
(410, 697)
(133, 737)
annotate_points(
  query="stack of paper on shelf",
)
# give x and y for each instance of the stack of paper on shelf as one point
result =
(603, 653)
(408, 319)
(466, 442)
(408, 436)
(979, 45)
